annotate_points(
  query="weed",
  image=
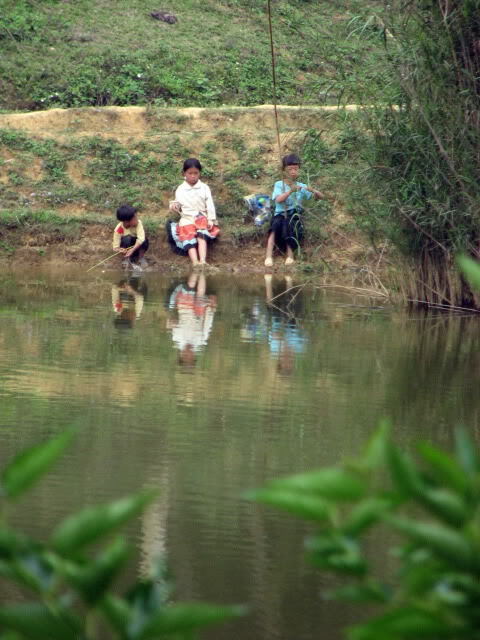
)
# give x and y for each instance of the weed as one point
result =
(6, 248)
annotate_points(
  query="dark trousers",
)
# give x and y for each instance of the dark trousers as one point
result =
(128, 241)
(288, 229)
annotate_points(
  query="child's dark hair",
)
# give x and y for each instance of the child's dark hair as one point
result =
(292, 158)
(125, 213)
(191, 163)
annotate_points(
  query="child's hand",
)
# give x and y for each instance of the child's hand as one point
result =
(175, 206)
(209, 225)
(316, 193)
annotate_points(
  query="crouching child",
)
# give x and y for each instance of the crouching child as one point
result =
(129, 238)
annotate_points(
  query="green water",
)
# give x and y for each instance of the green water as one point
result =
(204, 390)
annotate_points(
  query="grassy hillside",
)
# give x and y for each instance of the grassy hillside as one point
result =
(59, 167)
(70, 53)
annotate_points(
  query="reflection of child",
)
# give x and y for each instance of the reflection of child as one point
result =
(286, 339)
(197, 225)
(129, 238)
(195, 312)
(128, 297)
(286, 229)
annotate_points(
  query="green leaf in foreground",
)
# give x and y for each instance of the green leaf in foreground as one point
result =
(333, 483)
(444, 468)
(35, 622)
(29, 465)
(471, 270)
(405, 622)
(304, 506)
(185, 617)
(92, 523)
(445, 541)
(93, 580)
(466, 452)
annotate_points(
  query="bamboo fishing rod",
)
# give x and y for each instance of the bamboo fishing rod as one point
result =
(274, 79)
(104, 260)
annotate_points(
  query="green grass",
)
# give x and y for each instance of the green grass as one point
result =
(146, 173)
(111, 52)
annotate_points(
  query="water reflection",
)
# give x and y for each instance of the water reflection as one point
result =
(281, 379)
(128, 297)
(277, 321)
(191, 318)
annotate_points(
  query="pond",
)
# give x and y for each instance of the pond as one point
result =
(204, 387)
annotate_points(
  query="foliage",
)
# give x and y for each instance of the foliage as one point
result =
(422, 156)
(72, 590)
(432, 508)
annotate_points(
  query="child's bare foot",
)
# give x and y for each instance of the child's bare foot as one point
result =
(268, 262)
(289, 261)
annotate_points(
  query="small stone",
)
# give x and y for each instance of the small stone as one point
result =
(164, 16)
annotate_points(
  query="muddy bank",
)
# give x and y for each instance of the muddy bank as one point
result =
(39, 247)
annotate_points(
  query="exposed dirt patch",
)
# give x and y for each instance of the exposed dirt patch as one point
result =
(134, 123)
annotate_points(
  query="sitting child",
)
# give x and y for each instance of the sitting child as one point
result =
(197, 225)
(129, 238)
(286, 229)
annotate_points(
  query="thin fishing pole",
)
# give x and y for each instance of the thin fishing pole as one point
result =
(102, 261)
(274, 78)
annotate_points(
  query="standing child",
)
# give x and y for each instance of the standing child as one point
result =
(286, 229)
(129, 238)
(197, 224)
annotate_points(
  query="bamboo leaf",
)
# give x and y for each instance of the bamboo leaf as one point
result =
(32, 570)
(92, 523)
(35, 622)
(445, 541)
(305, 506)
(30, 464)
(365, 514)
(445, 504)
(467, 454)
(333, 483)
(444, 468)
(363, 592)
(337, 553)
(93, 580)
(375, 452)
(403, 471)
(185, 617)
(471, 270)
(403, 623)
(12, 542)
(117, 612)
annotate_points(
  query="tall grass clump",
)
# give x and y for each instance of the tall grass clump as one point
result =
(424, 153)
